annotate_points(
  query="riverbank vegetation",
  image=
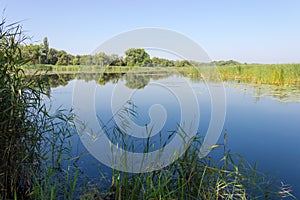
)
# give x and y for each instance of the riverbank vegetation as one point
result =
(273, 74)
(32, 140)
(36, 160)
(262, 74)
(42, 57)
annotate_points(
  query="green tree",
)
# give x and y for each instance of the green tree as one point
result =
(52, 56)
(64, 58)
(76, 60)
(116, 60)
(44, 52)
(86, 60)
(137, 57)
(225, 63)
(32, 52)
(162, 62)
(101, 59)
(182, 63)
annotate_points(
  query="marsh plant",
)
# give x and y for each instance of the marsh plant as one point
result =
(193, 178)
(225, 175)
(271, 74)
(222, 175)
(31, 142)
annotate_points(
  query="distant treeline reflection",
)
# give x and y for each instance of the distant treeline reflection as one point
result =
(138, 79)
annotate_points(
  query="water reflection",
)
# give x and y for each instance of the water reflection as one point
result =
(167, 118)
(138, 80)
(259, 128)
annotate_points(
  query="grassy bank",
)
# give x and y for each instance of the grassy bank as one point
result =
(272, 74)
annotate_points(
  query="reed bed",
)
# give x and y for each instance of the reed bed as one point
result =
(279, 74)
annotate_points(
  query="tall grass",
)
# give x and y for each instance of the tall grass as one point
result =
(30, 142)
(19, 115)
(191, 177)
(273, 74)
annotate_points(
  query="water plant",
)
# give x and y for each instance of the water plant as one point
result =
(31, 141)
(191, 177)
(272, 74)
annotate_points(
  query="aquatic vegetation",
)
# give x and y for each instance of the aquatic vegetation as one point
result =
(31, 139)
(273, 74)
(191, 177)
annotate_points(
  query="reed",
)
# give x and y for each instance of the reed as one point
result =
(30, 140)
(191, 177)
(272, 74)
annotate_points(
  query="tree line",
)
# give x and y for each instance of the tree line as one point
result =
(43, 54)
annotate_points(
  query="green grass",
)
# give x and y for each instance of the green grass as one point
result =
(29, 69)
(32, 141)
(193, 178)
(280, 74)
(272, 74)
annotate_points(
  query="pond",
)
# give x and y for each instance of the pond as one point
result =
(262, 122)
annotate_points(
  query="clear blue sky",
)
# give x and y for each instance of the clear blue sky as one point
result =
(264, 31)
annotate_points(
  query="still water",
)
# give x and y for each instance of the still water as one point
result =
(262, 122)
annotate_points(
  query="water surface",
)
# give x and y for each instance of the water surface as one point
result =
(262, 122)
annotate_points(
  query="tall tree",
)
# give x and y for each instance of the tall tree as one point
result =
(46, 45)
(52, 56)
(182, 63)
(45, 51)
(162, 62)
(137, 57)
(101, 59)
(64, 58)
(116, 60)
(34, 53)
(76, 60)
